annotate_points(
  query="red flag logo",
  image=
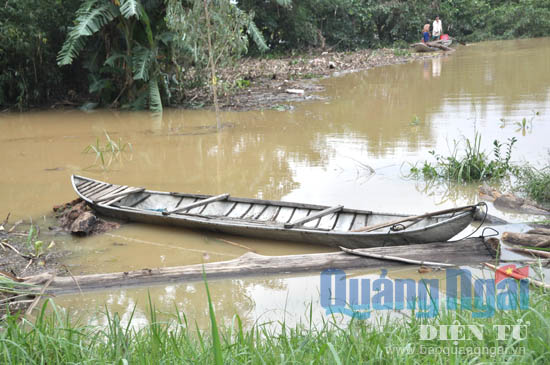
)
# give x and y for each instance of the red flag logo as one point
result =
(510, 271)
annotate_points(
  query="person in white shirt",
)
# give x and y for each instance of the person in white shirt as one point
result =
(437, 28)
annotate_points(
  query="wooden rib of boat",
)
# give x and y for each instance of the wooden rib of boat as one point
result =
(280, 220)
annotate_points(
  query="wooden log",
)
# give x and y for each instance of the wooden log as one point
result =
(538, 253)
(309, 218)
(544, 231)
(525, 239)
(467, 251)
(197, 204)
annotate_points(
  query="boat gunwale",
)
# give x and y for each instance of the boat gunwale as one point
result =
(225, 221)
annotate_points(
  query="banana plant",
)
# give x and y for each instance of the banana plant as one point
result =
(131, 49)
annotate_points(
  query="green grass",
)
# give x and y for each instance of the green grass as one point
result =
(106, 152)
(469, 163)
(54, 338)
(534, 182)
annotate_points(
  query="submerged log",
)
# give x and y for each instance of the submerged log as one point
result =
(468, 251)
(510, 201)
(525, 239)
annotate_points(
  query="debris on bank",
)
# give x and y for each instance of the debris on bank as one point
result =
(79, 219)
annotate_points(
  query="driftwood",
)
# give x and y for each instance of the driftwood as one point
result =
(545, 231)
(438, 44)
(525, 239)
(538, 253)
(510, 202)
(472, 250)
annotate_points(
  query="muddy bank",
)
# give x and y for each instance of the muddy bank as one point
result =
(260, 83)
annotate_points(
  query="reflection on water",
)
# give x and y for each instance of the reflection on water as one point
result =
(320, 152)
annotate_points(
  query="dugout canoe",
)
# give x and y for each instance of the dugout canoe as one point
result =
(279, 220)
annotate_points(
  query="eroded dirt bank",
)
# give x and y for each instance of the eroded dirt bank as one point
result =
(260, 83)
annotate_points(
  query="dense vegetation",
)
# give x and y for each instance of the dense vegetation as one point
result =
(122, 52)
(53, 338)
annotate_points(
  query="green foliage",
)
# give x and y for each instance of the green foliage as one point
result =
(470, 165)
(54, 338)
(534, 182)
(130, 38)
(31, 31)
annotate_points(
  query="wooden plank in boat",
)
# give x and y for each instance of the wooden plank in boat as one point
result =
(254, 211)
(296, 220)
(217, 208)
(97, 189)
(239, 210)
(268, 213)
(360, 221)
(298, 215)
(345, 220)
(327, 222)
(84, 185)
(285, 214)
(134, 200)
(90, 187)
(119, 196)
(199, 203)
(103, 192)
(112, 193)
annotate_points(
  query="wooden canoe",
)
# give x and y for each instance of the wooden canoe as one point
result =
(279, 220)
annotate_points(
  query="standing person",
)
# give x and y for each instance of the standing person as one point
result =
(426, 33)
(437, 28)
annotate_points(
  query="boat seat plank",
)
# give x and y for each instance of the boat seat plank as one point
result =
(135, 199)
(344, 222)
(269, 213)
(297, 220)
(217, 208)
(239, 210)
(328, 221)
(254, 211)
(197, 204)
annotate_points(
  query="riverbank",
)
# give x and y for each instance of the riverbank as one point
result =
(272, 83)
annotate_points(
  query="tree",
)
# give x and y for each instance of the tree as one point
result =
(131, 43)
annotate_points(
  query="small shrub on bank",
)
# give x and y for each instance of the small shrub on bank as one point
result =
(535, 183)
(471, 164)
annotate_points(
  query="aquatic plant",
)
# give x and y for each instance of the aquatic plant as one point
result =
(470, 164)
(534, 182)
(110, 148)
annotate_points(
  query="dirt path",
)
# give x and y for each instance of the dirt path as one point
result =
(264, 83)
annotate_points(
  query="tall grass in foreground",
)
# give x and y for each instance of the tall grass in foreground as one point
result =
(53, 338)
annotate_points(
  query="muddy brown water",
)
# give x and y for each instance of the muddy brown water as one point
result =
(352, 148)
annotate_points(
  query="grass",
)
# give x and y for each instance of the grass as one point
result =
(107, 151)
(470, 164)
(534, 182)
(54, 338)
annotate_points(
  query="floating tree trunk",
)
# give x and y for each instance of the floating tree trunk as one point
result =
(468, 251)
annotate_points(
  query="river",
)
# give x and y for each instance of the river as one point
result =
(354, 147)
